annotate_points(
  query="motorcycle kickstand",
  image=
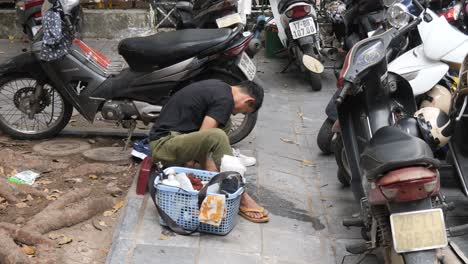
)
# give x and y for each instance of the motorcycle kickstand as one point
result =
(131, 129)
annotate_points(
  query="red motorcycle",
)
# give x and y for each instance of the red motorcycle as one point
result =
(29, 16)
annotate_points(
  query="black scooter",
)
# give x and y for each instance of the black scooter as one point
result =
(37, 97)
(394, 175)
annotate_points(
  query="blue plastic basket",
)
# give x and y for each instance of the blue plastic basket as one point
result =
(182, 205)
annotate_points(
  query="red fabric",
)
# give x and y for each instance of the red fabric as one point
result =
(196, 183)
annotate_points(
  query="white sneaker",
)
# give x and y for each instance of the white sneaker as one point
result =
(245, 160)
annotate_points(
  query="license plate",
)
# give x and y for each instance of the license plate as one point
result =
(247, 66)
(228, 20)
(419, 230)
(302, 28)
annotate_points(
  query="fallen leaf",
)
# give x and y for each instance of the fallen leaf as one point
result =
(118, 205)
(22, 205)
(44, 182)
(52, 197)
(29, 198)
(163, 237)
(46, 190)
(108, 213)
(308, 163)
(289, 141)
(28, 250)
(11, 38)
(2, 171)
(2, 199)
(53, 236)
(96, 225)
(93, 176)
(55, 191)
(102, 223)
(65, 240)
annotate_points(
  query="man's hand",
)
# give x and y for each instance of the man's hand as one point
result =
(209, 122)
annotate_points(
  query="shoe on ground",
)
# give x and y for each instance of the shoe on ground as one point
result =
(141, 149)
(245, 160)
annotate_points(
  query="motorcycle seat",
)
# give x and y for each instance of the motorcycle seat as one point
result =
(168, 48)
(391, 148)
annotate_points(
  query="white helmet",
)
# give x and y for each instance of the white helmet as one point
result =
(439, 97)
(434, 125)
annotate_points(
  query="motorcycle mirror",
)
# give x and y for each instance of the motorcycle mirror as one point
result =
(312, 64)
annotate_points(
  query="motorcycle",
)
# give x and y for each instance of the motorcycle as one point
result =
(299, 32)
(29, 16)
(423, 66)
(456, 14)
(38, 96)
(395, 176)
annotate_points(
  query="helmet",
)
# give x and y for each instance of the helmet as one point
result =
(434, 125)
(334, 11)
(439, 97)
(409, 125)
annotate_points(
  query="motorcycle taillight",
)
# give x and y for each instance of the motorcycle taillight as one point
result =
(449, 15)
(298, 11)
(409, 184)
(32, 3)
(238, 48)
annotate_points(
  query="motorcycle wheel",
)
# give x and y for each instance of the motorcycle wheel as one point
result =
(325, 136)
(51, 116)
(343, 174)
(242, 124)
(315, 79)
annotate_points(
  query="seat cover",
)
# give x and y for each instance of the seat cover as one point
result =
(391, 148)
(167, 48)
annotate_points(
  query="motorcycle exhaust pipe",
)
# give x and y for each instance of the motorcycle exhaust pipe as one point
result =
(330, 53)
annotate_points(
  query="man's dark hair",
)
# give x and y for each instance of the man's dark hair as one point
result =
(253, 90)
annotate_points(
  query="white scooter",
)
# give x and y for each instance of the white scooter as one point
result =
(299, 32)
(442, 46)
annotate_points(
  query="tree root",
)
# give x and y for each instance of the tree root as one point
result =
(10, 191)
(58, 219)
(10, 253)
(66, 211)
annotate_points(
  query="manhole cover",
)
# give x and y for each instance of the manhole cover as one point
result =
(109, 154)
(61, 147)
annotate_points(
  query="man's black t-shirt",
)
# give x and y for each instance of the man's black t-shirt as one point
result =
(186, 109)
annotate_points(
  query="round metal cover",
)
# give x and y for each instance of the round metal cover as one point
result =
(109, 154)
(61, 147)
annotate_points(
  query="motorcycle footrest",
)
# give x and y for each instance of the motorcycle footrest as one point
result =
(357, 222)
(358, 247)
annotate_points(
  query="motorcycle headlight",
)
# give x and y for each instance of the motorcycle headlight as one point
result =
(388, 3)
(398, 15)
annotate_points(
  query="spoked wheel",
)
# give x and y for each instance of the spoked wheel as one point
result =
(22, 117)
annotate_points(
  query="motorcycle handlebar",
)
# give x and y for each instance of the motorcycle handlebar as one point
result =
(344, 91)
(406, 29)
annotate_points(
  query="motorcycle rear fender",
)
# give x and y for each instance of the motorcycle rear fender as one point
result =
(23, 63)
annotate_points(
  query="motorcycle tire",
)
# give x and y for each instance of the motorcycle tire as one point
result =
(49, 132)
(249, 121)
(343, 173)
(315, 79)
(325, 136)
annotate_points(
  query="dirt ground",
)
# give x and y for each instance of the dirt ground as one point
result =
(87, 241)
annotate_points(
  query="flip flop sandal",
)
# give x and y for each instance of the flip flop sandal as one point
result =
(243, 212)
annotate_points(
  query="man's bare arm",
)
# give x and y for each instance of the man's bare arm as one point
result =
(209, 122)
